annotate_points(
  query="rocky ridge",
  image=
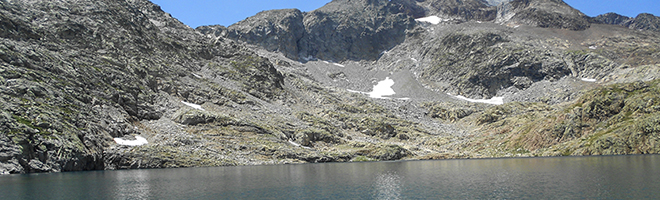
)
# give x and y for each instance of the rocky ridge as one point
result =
(289, 87)
(644, 21)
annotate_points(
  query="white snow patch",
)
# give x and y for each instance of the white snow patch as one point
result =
(198, 76)
(383, 88)
(413, 59)
(139, 141)
(593, 47)
(296, 144)
(334, 63)
(195, 106)
(588, 80)
(430, 19)
(494, 100)
(293, 143)
(354, 91)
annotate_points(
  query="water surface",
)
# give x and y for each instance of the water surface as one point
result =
(608, 177)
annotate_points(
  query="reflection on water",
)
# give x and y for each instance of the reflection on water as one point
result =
(388, 186)
(608, 177)
(133, 184)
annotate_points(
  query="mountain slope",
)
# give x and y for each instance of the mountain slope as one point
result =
(121, 84)
(87, 72)
(537, 51)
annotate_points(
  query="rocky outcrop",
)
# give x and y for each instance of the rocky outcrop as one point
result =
(353, 29)
(85, 72)
(275, 30)
(613, 18)
(363, 29)
(617, 119)
(644, 21)
(341, 30)
(461, 10)
(542, 13)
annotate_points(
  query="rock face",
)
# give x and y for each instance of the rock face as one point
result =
(542, 13)
(613, 18)
(76, 76)
(275, 30)
(353, 29)
(644, 21)
(87, 71)
(363, 29)
(340, 30)
(461, 10)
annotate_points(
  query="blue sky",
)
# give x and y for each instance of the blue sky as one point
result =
(226, 12)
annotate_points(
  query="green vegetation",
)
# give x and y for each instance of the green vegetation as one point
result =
(613, 119)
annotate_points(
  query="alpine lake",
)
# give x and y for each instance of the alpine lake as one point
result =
(593, 177)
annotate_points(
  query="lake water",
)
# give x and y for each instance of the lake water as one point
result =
(607, 177)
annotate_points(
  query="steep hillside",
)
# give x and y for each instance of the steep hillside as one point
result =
(84, 72)
(611, 120)
(121, 84)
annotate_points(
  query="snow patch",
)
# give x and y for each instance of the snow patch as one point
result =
(334, 63)
(139, 141)
(195, 106)
(354, 91)
(198, 76)
(383, 88)
(430, 19)
(494, 100)
(293, 143)
(588, 80)
(593, 47)
(308, 58)
(297, 145)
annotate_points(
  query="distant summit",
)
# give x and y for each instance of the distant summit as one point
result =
(362, 29)
(644, 21)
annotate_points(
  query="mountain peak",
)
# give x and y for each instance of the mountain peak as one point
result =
(542, 13)
(643, 21)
